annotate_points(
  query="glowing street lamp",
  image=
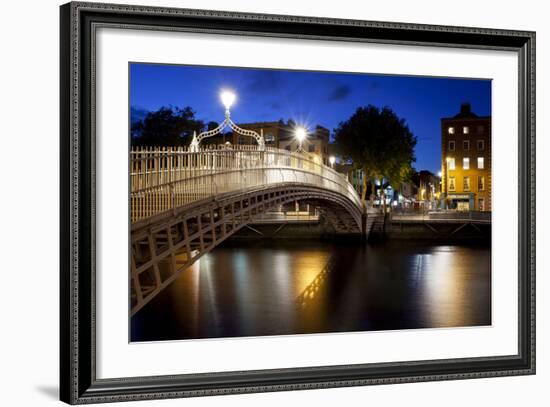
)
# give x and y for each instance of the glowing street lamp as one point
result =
(227, 98)
(332, 160)
(301, 134)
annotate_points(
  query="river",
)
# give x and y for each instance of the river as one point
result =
(274, 287)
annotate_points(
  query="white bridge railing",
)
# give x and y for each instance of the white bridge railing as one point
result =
(167, 178)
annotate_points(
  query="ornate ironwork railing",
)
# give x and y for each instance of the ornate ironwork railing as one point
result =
(163, 179)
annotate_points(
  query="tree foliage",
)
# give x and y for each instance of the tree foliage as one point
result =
(168, 126)
(378, 142)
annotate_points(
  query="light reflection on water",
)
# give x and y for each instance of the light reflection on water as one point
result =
(259, 288)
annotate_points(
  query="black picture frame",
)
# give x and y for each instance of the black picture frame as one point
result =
(78, 382)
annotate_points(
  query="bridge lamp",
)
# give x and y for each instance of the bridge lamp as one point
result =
(332, 160)
(300, 134)
(228, 98)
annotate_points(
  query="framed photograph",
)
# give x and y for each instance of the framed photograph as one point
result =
(254, 203)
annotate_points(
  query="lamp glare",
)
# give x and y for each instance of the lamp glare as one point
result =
(228, 98)
(301, 134)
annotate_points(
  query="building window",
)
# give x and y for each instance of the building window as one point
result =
(481, 144)
(241, 140)
(451, 183)
(311, 148)
(451, 145)
(480, 163)
(466, 145)
(451, 130)
(480, 129)
(269, 138)
(451, 163)
(287, 148)
(466, 183)
(466, 130)
(481, 183)
(466, 163)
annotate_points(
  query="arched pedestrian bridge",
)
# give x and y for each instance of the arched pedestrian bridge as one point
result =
(185, 202)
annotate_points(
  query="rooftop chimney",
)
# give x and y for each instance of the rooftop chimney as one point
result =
(465, 108)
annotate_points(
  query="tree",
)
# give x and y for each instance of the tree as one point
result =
(379, 143)
(168, 126)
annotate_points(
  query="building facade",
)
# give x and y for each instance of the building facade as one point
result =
(428, 192)
(466, 161)
(353, 175)
(316, 143)
(272, 132)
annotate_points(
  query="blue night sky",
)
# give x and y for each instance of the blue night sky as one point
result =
(310, 98)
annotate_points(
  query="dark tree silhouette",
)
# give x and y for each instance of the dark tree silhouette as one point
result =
(168, 126)
(377, 142)
(212, 125)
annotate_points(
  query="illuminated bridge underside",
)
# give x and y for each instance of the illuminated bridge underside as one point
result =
(166, 244)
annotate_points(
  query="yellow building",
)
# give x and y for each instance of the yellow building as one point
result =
(466, 161)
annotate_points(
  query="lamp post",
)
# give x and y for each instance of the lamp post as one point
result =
(227, 98)
(332, 160)
(447, 159)
(439, 187)
(300, 133)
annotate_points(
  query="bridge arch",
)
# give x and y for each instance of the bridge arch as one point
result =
(185, 202)
(165, 245)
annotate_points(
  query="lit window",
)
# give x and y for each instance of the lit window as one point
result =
(466, 145)
(451, 163)
(481, 183)
(451, 130)
(481, 144)
(466, 163)
(466, 183)
(451, 183)
(480, 163)
(451, 145)
(465, 130)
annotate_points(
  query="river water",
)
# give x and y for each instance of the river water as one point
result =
(273, 287)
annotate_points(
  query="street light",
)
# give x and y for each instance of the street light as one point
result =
(301, 134)
(332, 160)
(228, 98)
